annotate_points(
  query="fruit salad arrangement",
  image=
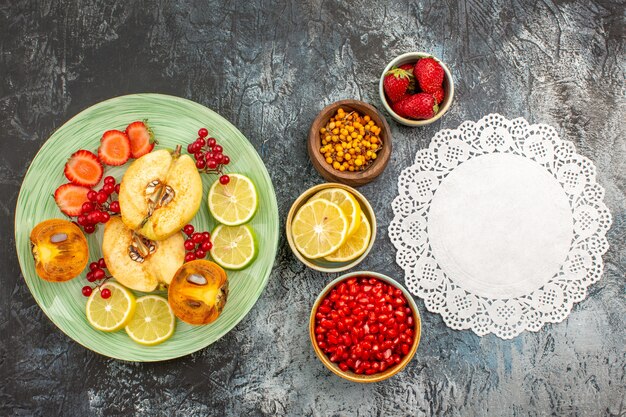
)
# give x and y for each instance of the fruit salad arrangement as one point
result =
(148, 243)
(350, 141)
(365, 325)
(414, 91)
(331, 226)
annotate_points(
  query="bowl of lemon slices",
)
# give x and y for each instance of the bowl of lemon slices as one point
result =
(331, 227)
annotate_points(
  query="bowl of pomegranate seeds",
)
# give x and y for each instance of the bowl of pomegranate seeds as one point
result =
(365, 327)
(416, 88)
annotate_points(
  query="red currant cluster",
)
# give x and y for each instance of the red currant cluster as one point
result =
(197, 244)
(209, 155)
(96, 273)
(100, 206)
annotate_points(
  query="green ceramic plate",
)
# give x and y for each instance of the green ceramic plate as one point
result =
(175, 121)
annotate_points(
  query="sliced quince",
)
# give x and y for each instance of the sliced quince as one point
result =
(198, 292)
(60, 250)
(137, 262)
(160, 193)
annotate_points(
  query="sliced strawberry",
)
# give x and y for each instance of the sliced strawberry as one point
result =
(83, 168)
(70, 198)
(114, 148)
(141, 139)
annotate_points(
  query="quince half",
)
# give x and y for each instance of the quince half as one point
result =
(160, 193)
(137, 262)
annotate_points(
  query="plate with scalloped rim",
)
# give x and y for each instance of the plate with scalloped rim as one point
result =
(175, 121)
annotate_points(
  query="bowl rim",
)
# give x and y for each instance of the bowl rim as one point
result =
(367, 175)
(349, 375)
(365, 206)
(447, 100)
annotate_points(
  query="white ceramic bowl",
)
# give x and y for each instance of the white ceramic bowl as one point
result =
(448, 86)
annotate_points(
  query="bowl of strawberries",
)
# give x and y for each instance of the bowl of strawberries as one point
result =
(416, 88)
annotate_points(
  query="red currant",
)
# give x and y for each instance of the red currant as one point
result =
(87, 290)
(92, 195)
(105, 293)
(200, 254)
(206, 236)
(82, 220)
(89, 229)
(211, 163)
(109, 180)
(218, 149)
(87, 207)
(192, 148)
(90, 277)
(200, 141)
(225, 160)
(93, 266)
(224, 179)
(117, 188)
(190, 257)
(200, 164)
(102, 263)
(189, 245)
(211, 142)
(203, 133)
(98, 274)
(104, 217)
(102, 197)
(199, 156)
(219, 158)
(188, 229)
(114, 206)
(206, 246)
(108, 189)
(197, 238)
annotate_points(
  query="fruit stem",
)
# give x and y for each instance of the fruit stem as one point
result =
(177, 151)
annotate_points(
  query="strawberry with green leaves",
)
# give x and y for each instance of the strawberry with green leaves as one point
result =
(396, 83)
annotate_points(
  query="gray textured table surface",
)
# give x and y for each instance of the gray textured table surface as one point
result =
(269, 68)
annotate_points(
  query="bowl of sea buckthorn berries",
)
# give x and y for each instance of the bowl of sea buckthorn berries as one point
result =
(365, 327)
(349, 142)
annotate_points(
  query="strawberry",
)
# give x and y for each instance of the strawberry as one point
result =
(429, 75)
(70, 198)
(439, 95)
(395, 83)
(417, 106)
(114, 148)
(83, 168)
(141, 139)
(407, 67)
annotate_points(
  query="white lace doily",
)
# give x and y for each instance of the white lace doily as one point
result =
(500, 226)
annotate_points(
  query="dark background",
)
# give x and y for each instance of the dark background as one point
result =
(269, 67)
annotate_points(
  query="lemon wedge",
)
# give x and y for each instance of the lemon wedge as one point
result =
(347, 202)
(234, 203)
(319, 228)
(355, 245)
(154, 321)
(112, 313)
(234, 247)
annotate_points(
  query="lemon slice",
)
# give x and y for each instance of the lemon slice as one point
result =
(234, 203)
(355, 245)
(347, 202)
(234, 247)
(154, 321)
(110, 314)
(319, 228)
